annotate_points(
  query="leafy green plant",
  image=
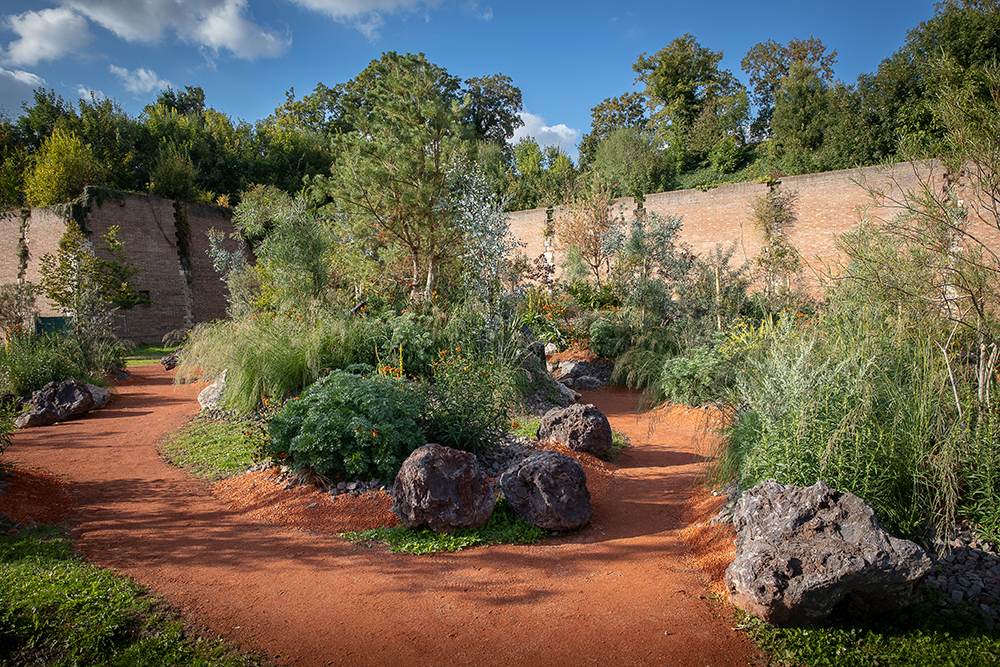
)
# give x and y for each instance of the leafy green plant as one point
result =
(29, 361)
(472, 397)
(607, 336)
(695, 377)
(55, 609)
(346, 425)
(913, 638)
(216, 449)
(504, 527)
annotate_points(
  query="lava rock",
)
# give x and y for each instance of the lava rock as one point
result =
(56, 402)
(441, 488)
(548, 490)
(801, 551)
(583, 428)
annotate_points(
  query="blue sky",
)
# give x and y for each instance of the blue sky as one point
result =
(566, 57)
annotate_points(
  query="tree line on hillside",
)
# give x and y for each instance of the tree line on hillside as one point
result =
(691, 124)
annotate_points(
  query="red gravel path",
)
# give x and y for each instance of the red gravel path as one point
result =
(623, 591)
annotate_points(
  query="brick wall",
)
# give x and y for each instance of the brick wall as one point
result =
(148, 229)
(828, 205)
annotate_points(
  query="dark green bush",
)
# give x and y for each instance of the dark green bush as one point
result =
(606, 337)
(346, 425)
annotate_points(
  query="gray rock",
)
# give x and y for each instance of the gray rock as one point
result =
(587, 383)
(548, 490)
(211, 395)
(442, 488)
(101, 396)
(800, 551)
(583, 428)
(550, 349)
(56, 402)
(170, 361)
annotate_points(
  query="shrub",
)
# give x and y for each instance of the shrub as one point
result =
(346, 425)
(63, 167)
(607, 336)
(864, 402)
(694, 378)
(472, 399)
(30, 361)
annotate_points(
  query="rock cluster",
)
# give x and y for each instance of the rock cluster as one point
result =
(583, 428)
(965, 579)
(508, 453)
(62, 401)
(582, 375)
(801, 551)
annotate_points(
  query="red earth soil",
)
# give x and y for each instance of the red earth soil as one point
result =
(256, 564)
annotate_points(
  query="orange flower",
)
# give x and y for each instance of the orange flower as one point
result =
(374, 433)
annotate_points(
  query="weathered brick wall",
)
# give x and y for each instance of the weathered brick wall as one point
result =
(149, 231)
(829, 204)
(10, 244)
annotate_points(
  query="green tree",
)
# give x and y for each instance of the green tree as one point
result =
(492, 109)
(88, 284)
(628, 160)
(767, 63)
(63, 166)
(614, 113)
(801, 118)
(681, 79)
(393, 168)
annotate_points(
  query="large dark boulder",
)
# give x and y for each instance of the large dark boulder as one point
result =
(801, 551)
(583, 428)
(548, 490)
(57, 402)
(442, 488)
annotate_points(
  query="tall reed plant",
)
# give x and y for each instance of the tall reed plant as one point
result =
(863, 401)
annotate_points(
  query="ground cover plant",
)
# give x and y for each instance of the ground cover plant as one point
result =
(214, 449)
(914, 638)
(55, 609)
(504, 527)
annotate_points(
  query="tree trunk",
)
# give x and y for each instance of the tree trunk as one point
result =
(431, 275)
(416, 274)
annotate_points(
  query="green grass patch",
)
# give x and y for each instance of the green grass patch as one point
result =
(56, 609)
(147, 355)
(525, 426)
(914, 638)
(504, 527)
(213, 449)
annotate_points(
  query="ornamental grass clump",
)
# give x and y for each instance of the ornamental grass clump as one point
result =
(350, 426)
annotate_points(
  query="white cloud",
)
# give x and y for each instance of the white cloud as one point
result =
(16, 87)
(548, 135)
(483, 13)
(88, 93)
(22, 77)
(218, 24)
(48, 34)
(363, 15)
(141, 80)
(225, 27)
